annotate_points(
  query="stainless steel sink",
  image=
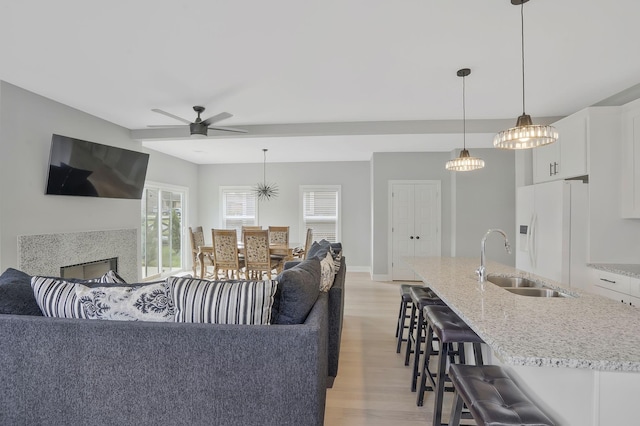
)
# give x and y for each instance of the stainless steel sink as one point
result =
(536, 292)
(501, 281)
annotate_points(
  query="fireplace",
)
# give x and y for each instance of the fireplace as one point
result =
(89, 270)
(46, 254)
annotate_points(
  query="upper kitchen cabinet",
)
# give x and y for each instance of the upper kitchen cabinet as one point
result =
(630, 171)
(567, 157)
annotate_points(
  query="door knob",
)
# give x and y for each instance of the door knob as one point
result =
(411, 237)
(418, 237)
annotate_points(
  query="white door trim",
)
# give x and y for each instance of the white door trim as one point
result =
(390, 185)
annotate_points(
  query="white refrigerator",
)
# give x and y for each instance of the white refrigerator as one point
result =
(551, 231)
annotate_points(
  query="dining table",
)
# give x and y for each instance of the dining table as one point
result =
(274, 249)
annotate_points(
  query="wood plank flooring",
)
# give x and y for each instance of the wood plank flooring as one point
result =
(373, 386)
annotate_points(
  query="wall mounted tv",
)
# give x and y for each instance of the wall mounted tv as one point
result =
(90, 169)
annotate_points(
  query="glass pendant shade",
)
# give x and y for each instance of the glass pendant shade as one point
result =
(526, 134)
(464, 163)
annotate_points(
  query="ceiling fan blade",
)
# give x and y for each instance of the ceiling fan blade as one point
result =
(167, 126)
(229, 129)
(216, 118)
(159, 111)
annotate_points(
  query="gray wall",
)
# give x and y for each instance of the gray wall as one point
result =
(472, 202)
(285, 208)
(485, 199)
(27, 122)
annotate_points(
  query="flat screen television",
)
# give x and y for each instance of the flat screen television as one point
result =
(89, 169)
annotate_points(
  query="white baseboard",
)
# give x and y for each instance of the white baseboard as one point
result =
(358, 268)
(380, 277)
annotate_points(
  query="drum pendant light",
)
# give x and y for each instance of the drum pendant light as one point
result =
(525, 135)
(465, 162)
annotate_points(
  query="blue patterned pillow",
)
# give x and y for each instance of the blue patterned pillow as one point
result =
(222, 302)
(132, 302)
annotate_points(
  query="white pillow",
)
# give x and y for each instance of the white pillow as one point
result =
(328, 272)
(133, 302)
(222, 302)
(56, 296)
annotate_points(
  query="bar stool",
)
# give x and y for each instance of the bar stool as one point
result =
(492, 398)
(405, 307)
(420, 297)
(450, 329)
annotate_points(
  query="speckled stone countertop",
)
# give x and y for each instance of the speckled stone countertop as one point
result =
(583, 331)
(628, 269)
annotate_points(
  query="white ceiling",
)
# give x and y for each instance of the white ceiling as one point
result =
(382, 73)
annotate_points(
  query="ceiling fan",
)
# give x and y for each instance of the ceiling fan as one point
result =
(200, 126)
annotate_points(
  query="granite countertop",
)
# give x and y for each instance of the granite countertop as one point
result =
(583, 331)
(628, 269)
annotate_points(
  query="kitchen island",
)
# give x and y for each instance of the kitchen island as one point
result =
(577, 356)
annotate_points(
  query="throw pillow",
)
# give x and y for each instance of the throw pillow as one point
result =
(298, 291)
(133, 302)
(327, 272)
(16, 295)
(318, 250)
(56, 296)
(222, 302)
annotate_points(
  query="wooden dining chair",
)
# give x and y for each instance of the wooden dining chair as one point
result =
(250, 227)
(279, 243)
(196, 236)
(308, 242)
(225, 253)
(257, 256)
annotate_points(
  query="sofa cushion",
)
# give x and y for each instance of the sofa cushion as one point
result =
(298, 290)
(222, 302)
(328, 272)
(318, 250)
(16, 295)
(56, 296)
(131, 302)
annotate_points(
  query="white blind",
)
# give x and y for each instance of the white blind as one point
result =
(320, 213)
(239, 209)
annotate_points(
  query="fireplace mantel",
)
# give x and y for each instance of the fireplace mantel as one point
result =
(44, 254)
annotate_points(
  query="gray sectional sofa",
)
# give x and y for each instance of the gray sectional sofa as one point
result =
(58, 371)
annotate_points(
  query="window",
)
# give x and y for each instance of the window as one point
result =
(239, 208)
(321, 211)
(163, 208)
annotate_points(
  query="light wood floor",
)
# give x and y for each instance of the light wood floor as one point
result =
(373, 386)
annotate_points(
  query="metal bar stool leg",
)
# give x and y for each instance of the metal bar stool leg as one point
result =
(412, 323)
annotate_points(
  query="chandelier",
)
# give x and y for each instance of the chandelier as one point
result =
(465, 162)
(525, 135)
(265, 191)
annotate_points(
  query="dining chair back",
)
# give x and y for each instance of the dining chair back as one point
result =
(308, 242)
(258, 260)
(250, 227)
(279, 236)
(225, 253)
(196, 236)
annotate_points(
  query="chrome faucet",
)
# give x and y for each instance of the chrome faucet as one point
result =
(482, 271)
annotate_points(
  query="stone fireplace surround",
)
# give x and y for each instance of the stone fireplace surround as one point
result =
(44, 254)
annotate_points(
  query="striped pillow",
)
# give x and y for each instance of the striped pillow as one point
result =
(56, 297)
(222, 302)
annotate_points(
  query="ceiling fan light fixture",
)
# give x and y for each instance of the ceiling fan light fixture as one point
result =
(465, 162)
(525, 135)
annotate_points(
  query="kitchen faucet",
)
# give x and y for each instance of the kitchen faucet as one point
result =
(482, 271)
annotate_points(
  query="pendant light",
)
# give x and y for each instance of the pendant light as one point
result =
(464, 162)
(265, 191)
(525, 135)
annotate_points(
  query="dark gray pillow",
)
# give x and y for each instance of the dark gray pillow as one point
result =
(16, 295)
(318, 250)
(298, 290)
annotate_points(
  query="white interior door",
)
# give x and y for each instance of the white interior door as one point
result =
(415, 225)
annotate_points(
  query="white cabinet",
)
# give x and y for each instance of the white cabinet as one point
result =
(616, 287)
(630, 167)
(567, 157)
